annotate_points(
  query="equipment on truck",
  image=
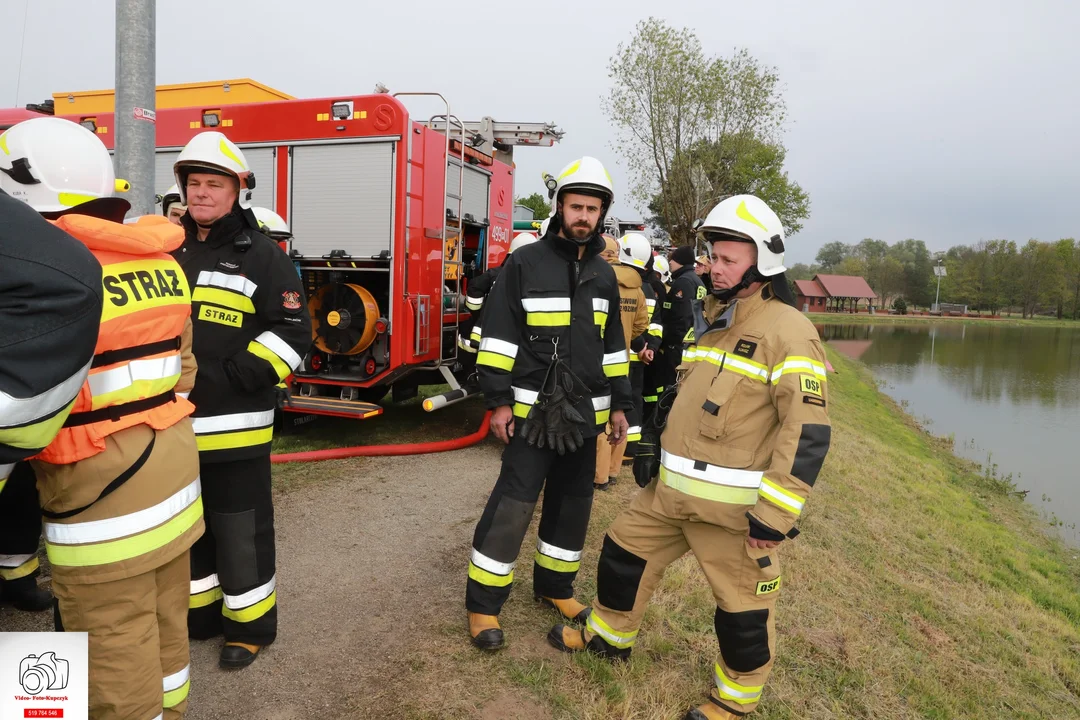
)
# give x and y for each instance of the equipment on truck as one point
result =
(390, 216)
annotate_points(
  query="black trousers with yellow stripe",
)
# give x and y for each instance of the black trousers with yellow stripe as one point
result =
(20, 528)
(233, 581)
(567, 482)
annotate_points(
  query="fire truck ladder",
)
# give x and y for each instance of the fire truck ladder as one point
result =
(423, 303)
(500, 138)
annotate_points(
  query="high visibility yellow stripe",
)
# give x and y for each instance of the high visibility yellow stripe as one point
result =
(134, 391)
(22, 571)
(126, 287)
(728, 689)
(600, 318)
(486, 357)
(252, 612)
(617, 369)
(261, 351)
(548, 319)
(130, 547)
(779, 496)
(602, 416)
(228, 441)
(203, 599)
(633, 437)
(484, 577)
(37, 435)
(555, 564)
(177, 696)
(521, 410)
(224, 298)
(798, 364)
(614, 637)
(3, 481)
(706, 490)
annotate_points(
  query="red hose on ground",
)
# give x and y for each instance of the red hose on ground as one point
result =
(387, 450)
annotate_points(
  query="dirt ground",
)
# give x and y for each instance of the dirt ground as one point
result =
(371, 569)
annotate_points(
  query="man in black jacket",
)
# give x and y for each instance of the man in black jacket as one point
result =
(553, 314)
(251, 330)
(684, 316)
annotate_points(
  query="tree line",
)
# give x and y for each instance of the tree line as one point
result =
(995, 276)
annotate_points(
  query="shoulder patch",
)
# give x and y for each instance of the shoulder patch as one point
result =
(678, 293)
(812, 400)
(745, 348)
(701, 292)
(290, 301)
(810, 385)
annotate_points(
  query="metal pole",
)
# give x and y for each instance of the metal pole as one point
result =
(135, 101)
(937, 296)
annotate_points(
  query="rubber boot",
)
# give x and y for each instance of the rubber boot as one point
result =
(235, 655)
(485, 631)
(572, 640)
(24, 594)
(711, 710)
(569, 608)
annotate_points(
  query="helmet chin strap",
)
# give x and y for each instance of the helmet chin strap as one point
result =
(749, 277)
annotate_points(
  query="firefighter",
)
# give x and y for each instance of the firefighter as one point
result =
(251, 331)
(741, 449)
(119, 485)
(656, 372)
(702, 266)
(635, 325)
(479, 288)
(20, 536)
(45, 354)
(171, 207)
(554, 369)
(272, 225)
(683, 310)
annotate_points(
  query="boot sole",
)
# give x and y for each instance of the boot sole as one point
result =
(236, 664)
(487, 643)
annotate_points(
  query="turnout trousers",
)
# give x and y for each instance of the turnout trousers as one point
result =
(639, 546)
(233, 581)
(609, 458)
(20, 528)
(138, 642)
(567, 482)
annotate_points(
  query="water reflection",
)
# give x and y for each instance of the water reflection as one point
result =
(1008, 395)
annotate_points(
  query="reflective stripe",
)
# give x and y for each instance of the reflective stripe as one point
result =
(96, 531)
(727, 361)
(474, 303)
(601, 305)
(492, 566)
(616, 357)
(13, 567)
(124, 376)
(22, 411)
(484, 577)
(600, 319)
(651, 303)
(235, 421)
(731, 690)
(557, 552)
(490, 344)
(523, 401)
(656, 329)
(5, 472)
(239, 283)
(796, 363)
(230, 441)
(707, 491)
(238, 602)
(550, 563)
(779, 496)
(465, 344)
(557, 304)
(280, 348)
(601, 403)
(208, 597)
(548, 319)
(203, 584)
(224, 298)
(252, 612)
(118, 550)
(620, 640)
(711, 473)
(172, 682)
(633, 434)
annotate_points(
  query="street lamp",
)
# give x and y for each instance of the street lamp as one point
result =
(939, 270)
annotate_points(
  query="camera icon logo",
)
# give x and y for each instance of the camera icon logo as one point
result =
(38, 673)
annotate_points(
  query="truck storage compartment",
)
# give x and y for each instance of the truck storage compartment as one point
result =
(260, 161)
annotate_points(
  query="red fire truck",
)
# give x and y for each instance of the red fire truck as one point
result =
(390, 218)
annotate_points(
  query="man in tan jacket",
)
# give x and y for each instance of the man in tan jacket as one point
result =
(635, 324)
(743, 445)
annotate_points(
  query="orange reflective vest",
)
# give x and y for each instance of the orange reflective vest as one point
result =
(137, 359)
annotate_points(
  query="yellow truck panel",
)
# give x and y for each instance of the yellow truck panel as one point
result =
(209, 94)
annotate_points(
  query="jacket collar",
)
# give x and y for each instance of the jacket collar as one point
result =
(223, 230)
(568, 249)
(682, 271)
(742, 309)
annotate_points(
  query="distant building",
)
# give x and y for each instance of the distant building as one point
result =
(832, 293)
(523, 214)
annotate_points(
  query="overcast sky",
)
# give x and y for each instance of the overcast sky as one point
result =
(947, 121)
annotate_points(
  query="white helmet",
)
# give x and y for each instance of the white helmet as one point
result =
(521, 240)
(748, 219)
(211, 151)
(635, 250)
(170, 196)
(52, 165)
(271, 223)
(544, 226)
(660, 265)
(588, 176)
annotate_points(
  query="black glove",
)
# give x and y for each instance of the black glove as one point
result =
(554, 422)
(647, 460)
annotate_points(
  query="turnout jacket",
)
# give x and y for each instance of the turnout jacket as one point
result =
(475, 295)
(633, 303)
(749, 430)
(50, 311)
(251, 330)
(544, 295)
(683, 310)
